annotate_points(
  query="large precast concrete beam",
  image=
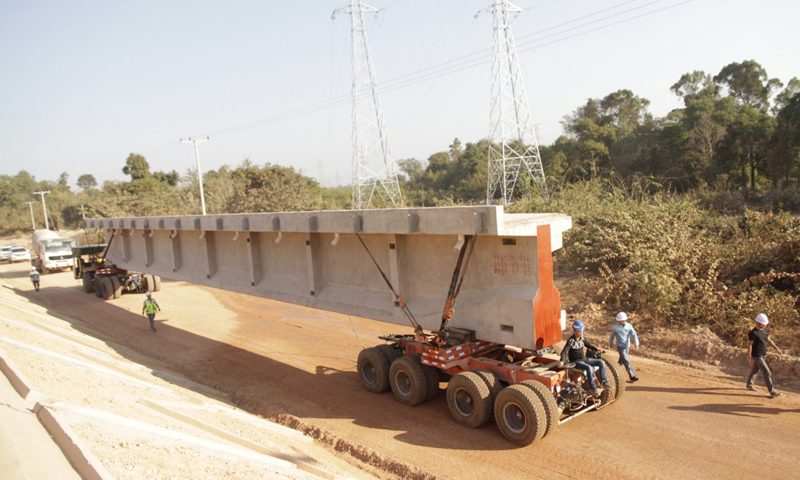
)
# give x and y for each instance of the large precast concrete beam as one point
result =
(316, 259)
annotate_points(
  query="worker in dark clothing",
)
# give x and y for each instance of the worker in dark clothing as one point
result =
(573, 352)
(757, 353)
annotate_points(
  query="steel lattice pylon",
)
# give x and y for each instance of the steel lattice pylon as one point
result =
(513, 148)
(369, 135)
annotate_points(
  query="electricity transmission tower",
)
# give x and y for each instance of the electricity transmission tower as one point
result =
(373, 166)
(514, 150)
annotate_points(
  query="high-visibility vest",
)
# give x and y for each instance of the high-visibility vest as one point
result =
(150, 306)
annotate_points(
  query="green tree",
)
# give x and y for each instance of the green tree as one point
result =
(272, 188)
(782, 99)
(747, 138)
(411, 168)
(170, 178)
(785, 152)
(136, 166)
(748, 83)
(455, 150)
(86, 181)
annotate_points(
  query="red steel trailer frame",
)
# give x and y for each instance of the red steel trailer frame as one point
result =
(528, 392)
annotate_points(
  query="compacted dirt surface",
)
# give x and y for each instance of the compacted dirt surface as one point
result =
(297, 366)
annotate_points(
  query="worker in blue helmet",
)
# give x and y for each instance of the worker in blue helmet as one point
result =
(574, 352)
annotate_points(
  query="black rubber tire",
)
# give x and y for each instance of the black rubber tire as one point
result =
(98, 286)
(491, 381)
(156, 283)
(408, 380)
(615, 377)
(469, 399)
(390, 352)
(116, 286)
(519, 415)
(551, 412)
(432, 375)
(108, 287)
(88, 282)
(143, 283)
(373, 370)
(151, 283)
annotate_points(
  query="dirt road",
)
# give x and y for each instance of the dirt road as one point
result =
(298, 365)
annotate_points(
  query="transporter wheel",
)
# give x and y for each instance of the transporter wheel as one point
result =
(108, 287)
(551, 412)
(491, 381)
(432, 375)
(116, 287)
(469, 399)
(390, 352)
(519, 415)
(156, 282)
(615, 377)
(88, 283)
(373, 370)
(98, 286)
(409, 381)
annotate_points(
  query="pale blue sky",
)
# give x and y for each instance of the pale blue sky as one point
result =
(85, 83)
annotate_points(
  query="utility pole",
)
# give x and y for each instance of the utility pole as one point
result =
(513, 148)
(33, 222)
(44, 208)
(83, 214)
(199, 172)
(369, 134)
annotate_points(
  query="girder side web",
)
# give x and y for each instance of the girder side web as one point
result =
(496, 301)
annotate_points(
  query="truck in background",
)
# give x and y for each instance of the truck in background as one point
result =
(53, 252)
(108, 281)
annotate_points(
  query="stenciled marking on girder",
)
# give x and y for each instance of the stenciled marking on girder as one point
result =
(508, 264)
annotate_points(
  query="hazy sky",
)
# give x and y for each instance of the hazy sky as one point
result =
(85, 83)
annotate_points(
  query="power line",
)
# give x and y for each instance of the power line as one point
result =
(430, 73)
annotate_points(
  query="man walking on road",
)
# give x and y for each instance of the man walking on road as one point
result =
(35, 278)
(150, 307)
(623, 332)
(757, 353)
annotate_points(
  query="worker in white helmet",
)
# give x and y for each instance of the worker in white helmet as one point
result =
(757, 353)
(624, 333)
(150, 308)
(35, 278)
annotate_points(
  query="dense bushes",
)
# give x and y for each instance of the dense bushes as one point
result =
(679, 264)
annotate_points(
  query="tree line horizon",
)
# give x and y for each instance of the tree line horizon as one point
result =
(738, 131)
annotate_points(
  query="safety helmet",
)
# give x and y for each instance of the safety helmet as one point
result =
(762, 319)
(148, 294)
(33, 269)
(578, 326)
(622, 317)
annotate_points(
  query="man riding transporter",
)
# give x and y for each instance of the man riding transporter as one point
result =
(573, 352)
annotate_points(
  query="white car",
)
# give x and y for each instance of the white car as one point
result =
(4, 251)
(19, 254)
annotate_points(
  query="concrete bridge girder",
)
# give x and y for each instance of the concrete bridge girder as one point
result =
(316, 259)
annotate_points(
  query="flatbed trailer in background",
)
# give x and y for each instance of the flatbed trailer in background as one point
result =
(497, 356)
(108, 281)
